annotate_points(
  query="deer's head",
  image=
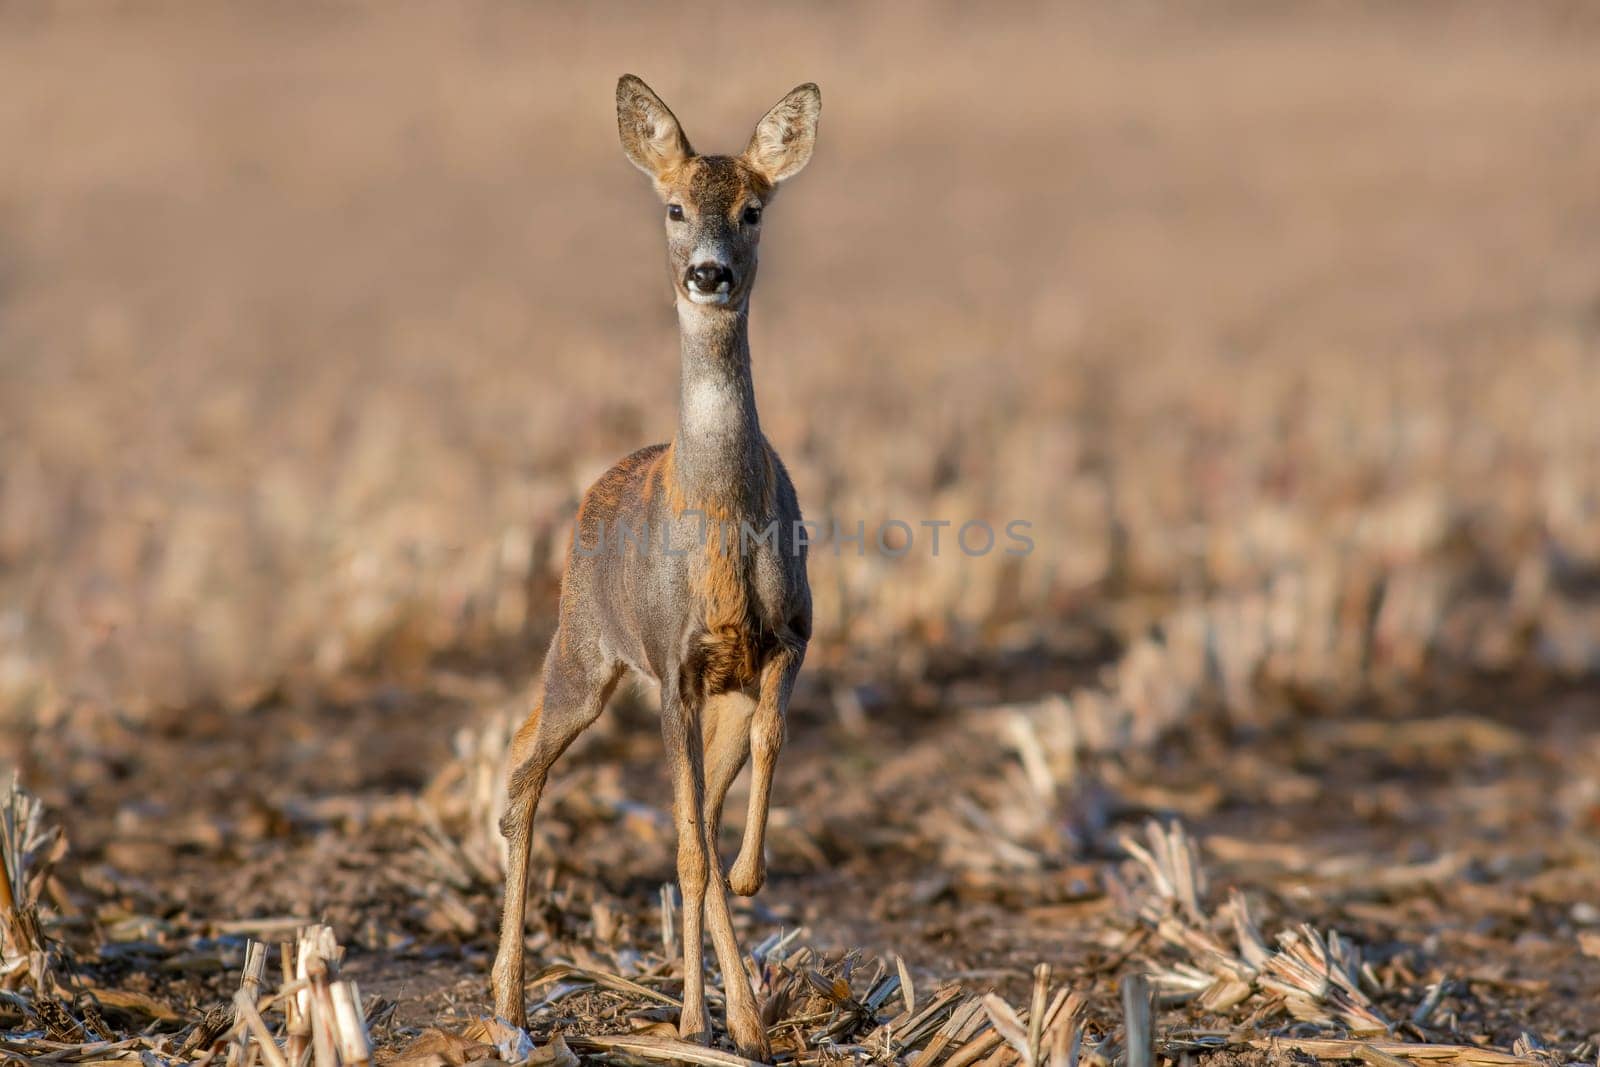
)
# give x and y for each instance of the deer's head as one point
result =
(714, 204)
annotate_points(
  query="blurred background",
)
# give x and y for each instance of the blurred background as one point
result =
(317, 321)
(1279, 323)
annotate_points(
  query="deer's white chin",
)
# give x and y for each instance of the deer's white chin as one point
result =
(709, 298)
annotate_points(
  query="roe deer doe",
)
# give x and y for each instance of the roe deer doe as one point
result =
(720, 622)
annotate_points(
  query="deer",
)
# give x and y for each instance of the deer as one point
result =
(719, 622)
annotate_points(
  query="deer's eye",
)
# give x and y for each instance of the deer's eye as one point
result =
(675, 212)
(752, 214)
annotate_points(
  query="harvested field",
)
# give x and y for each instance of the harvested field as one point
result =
(1280, 327)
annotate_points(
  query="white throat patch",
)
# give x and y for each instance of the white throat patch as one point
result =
(710, 407)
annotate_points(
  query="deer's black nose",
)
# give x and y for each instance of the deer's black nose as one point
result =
(709, 278)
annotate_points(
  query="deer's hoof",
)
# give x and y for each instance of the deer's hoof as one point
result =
(511, 1009)
(513, 1014)
(694, 1028)
(750, 1038)
(746, 879)
(508, 1003)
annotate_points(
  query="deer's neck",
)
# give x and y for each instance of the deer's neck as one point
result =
(718, 453)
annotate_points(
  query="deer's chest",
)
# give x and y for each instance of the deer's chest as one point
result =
(744, 588)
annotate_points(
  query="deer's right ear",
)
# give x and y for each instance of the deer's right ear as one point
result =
(650, 132)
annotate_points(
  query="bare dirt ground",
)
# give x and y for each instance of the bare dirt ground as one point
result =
(1281, 327)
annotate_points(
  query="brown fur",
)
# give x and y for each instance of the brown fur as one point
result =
(602, 503)
(729, 650)
(714, 183)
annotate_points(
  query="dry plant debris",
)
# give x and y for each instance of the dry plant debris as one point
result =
(319, 1019)
(1310, 993)
(28, 850)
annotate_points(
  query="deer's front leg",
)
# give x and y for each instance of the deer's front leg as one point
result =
(749, 871)
(681, 735)
(705, 900)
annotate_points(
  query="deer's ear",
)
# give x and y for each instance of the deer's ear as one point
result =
(783, 140)
(650, 132)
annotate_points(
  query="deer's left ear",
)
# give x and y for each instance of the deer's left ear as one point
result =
(783, 140)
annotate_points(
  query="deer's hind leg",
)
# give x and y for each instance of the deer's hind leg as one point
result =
(766, 731)
(725, 725)
(578, 680)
